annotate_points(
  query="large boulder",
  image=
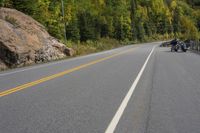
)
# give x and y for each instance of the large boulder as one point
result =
(24, 41)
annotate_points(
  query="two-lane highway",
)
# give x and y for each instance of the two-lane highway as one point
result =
(140, 89)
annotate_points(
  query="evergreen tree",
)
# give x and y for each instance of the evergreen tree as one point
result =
(72, 30)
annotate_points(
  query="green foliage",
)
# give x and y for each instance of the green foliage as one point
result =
(5, 3)
(189, 29)
(118, 19)
(72, 30)
(87, 26)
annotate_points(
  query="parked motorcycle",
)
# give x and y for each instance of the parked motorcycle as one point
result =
(184, 47)
(179, 46)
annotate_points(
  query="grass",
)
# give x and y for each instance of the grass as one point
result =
(84, 48)
(94, 46)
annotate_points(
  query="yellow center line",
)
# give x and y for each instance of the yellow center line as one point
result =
(36, 82)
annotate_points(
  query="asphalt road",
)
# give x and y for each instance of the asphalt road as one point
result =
(133, 89)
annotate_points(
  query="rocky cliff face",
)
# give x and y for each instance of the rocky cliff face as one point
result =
(24, 41)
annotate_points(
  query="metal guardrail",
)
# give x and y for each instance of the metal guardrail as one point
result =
(195, 46)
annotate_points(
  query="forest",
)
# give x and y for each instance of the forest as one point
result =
(122, 20)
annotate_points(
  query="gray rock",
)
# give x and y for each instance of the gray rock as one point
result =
(24, 41)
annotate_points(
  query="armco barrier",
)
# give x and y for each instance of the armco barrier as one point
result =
(196, 46)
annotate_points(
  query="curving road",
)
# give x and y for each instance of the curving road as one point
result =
(132, 89)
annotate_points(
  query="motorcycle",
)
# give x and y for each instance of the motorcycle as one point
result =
(184, 47)
(179, 46)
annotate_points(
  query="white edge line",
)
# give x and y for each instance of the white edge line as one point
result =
(122, 107)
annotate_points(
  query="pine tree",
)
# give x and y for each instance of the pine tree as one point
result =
(72, 30)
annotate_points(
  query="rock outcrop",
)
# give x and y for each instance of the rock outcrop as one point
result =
(24, 41)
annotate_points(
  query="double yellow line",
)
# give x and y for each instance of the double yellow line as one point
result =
(36, 82)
